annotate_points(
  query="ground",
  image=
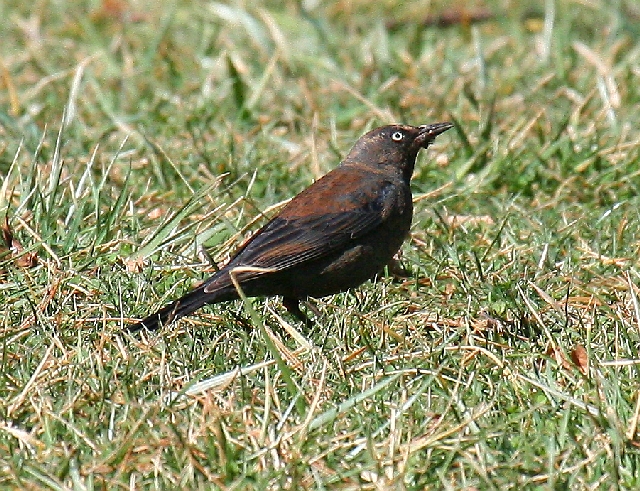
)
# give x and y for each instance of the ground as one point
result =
(140, 144)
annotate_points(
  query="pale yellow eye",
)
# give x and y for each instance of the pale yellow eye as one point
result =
(397, 136)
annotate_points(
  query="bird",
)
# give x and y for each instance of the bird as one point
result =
(333, 236)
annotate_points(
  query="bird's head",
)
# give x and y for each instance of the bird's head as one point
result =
(395, 145)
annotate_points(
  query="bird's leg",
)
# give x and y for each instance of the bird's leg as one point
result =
(313, 308)
(397, 270)
(293, 306)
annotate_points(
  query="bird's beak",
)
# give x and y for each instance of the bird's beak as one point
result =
(428, 132)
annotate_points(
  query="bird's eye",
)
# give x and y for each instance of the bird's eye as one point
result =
(397, 136)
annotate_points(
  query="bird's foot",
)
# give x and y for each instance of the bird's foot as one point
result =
(293, 306)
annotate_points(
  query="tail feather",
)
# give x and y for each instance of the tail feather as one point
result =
(185, 305)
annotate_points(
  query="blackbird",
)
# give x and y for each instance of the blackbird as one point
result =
(338, 233)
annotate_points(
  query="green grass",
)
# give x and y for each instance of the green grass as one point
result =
(133, 141)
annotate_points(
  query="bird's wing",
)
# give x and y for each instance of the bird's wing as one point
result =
(293, 238)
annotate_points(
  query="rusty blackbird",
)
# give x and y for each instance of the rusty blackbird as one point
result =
(338, 233)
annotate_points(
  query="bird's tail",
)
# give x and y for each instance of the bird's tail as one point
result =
(185, 305)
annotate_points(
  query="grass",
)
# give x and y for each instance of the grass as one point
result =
(138, 146)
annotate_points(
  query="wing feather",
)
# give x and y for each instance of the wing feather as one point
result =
(286, 241)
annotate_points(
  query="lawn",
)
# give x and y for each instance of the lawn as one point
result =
(141, 142)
